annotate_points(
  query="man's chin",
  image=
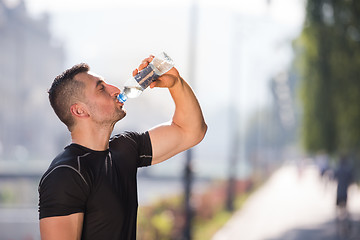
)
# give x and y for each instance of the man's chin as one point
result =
(122, 115)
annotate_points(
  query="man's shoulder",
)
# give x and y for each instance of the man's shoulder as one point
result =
(133, 145)
(123, 136)
(128, 136)
(65, 168)
(67, 159)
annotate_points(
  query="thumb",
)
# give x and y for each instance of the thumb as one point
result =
(153, 84)
(157, 83)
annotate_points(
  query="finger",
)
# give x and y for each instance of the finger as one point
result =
(159, 84)
(143, 65)
(155, 83)
(145, 62)
(135, 72)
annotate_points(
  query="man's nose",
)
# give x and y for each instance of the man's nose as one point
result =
(114, 91)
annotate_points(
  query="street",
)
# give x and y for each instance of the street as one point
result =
(294, 204)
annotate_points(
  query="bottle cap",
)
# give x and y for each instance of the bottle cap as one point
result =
(121, 97)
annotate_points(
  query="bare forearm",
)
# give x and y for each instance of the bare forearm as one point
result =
(187, 128)
(188, 114)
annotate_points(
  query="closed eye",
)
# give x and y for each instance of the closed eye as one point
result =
(100, 85)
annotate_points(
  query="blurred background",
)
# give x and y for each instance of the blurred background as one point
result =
(277, 81)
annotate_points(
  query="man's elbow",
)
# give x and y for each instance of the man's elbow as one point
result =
(204, 130)
(200, 134)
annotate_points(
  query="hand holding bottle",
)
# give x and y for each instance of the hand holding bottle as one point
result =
(167, 80)
(149, 70)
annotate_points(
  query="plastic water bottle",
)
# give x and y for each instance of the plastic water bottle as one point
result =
(134, 86)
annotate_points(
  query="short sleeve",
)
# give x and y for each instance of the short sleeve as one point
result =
(63, 191)
(135, 144)
(145, 149)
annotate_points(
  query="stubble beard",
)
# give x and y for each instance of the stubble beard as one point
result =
(121, 114)
(115, 116)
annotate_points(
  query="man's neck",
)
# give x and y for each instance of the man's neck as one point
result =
(93, 138)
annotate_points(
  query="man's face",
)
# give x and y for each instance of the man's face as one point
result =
(100, 99)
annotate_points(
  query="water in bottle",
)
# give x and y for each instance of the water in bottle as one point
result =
(134, 86)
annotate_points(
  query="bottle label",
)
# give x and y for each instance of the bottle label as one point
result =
(146, 76)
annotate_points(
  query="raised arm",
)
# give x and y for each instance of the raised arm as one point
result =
(187, 127)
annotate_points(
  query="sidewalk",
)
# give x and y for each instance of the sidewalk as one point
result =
(291, 206)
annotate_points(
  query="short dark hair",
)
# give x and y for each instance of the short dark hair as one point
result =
(65, 91)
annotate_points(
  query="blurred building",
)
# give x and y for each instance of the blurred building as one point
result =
(29, 60)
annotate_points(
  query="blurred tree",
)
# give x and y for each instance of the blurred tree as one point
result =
(328, 54)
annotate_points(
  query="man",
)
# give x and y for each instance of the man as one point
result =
(344, 176)
(90, 189)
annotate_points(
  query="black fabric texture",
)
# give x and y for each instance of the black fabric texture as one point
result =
(100, 184)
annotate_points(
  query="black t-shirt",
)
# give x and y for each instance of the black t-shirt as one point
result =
(100, 184)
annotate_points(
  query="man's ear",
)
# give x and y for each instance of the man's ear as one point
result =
(78, 110)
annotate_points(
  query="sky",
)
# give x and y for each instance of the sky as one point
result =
(142, 27)
(228, 51)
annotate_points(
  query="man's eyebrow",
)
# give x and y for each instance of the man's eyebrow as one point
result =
(100, 82)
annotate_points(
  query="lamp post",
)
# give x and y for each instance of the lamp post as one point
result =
(188, 173)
